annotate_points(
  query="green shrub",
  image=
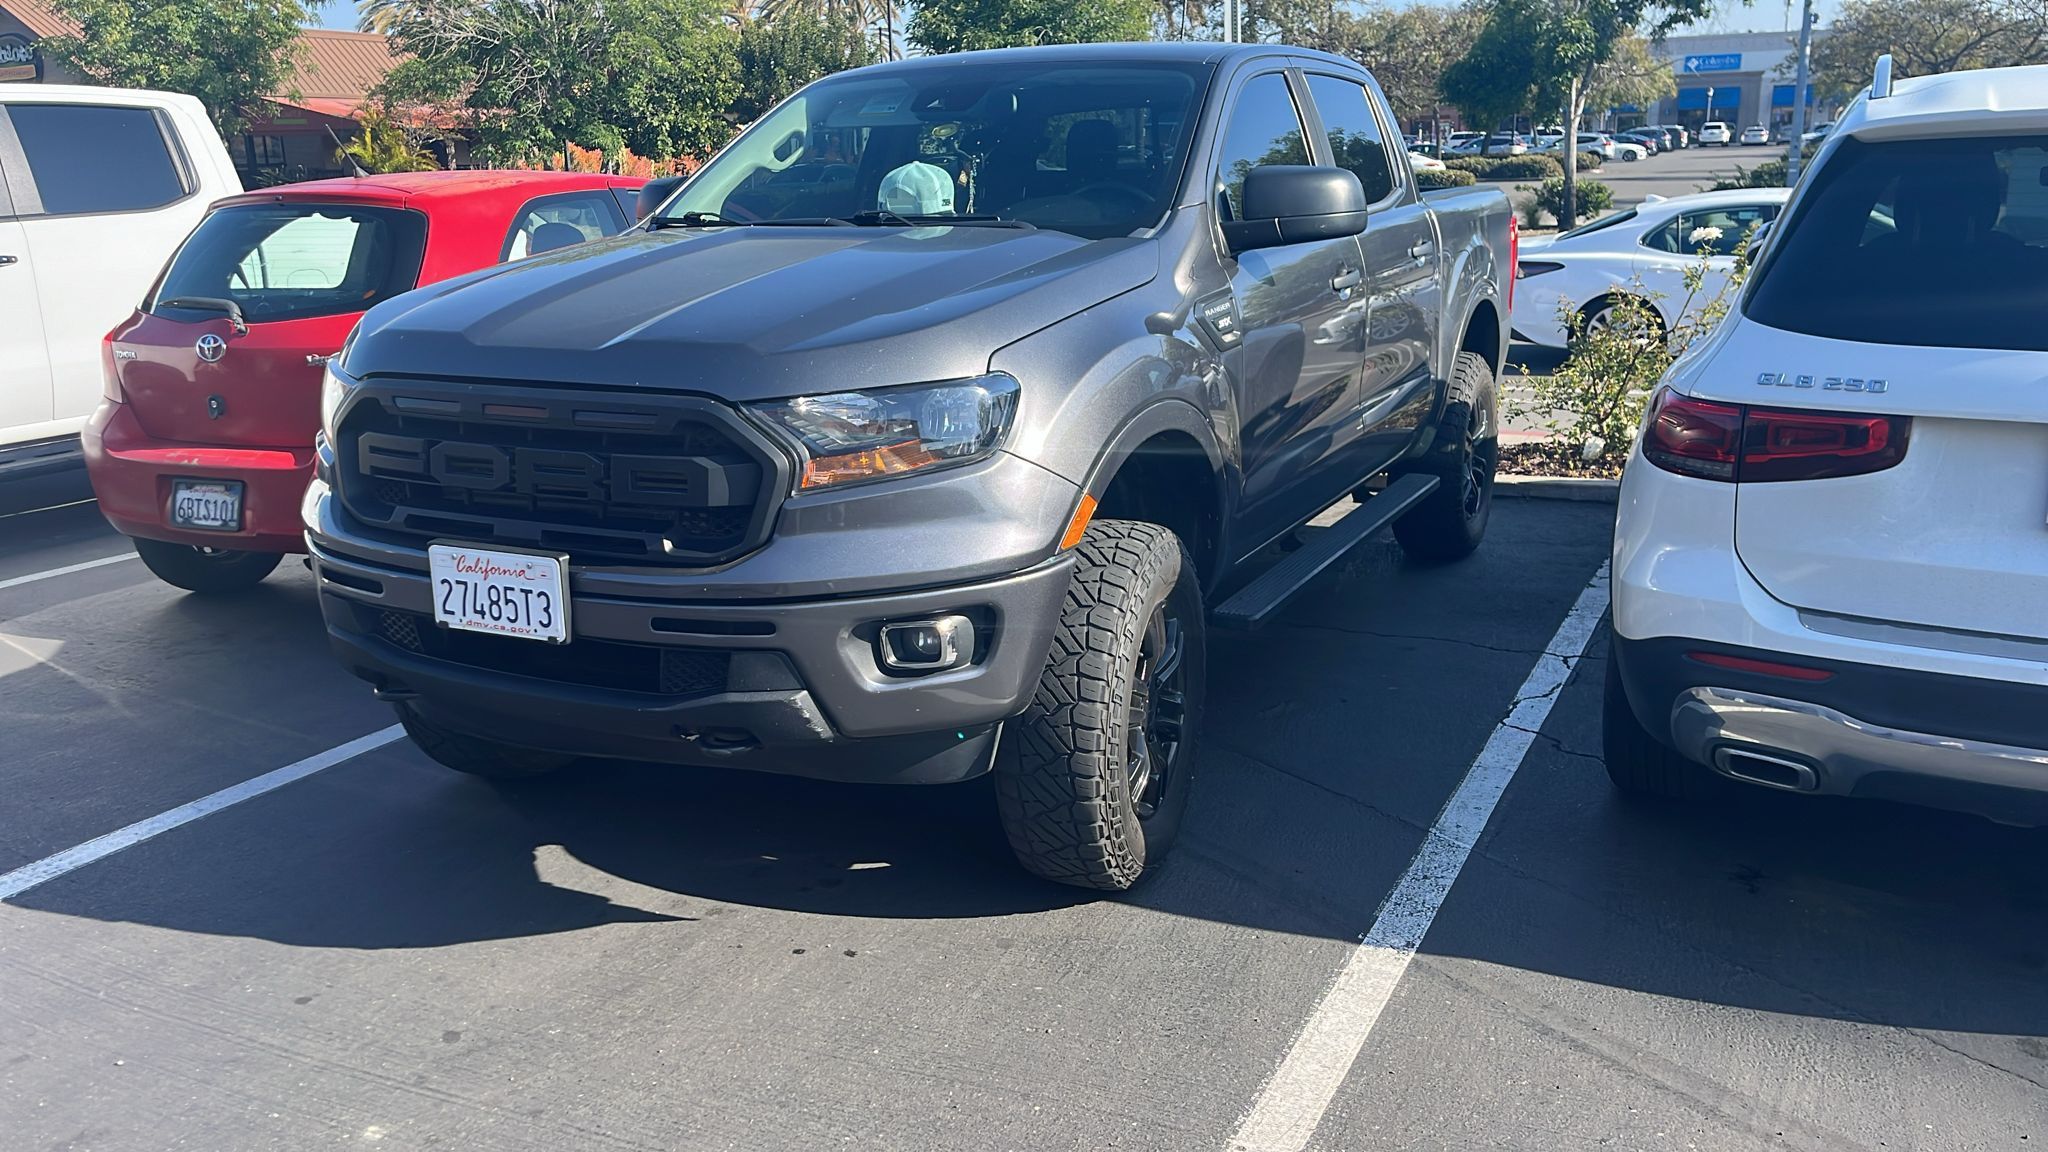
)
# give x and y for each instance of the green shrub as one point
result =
(1594, 197)
(1447, 178)
(1531, 167)
(1769, 174)
(1591, 161)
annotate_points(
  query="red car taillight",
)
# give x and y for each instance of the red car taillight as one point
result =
(110, 374)
(1752, 445)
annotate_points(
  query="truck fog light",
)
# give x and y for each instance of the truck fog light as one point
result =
(933, 645)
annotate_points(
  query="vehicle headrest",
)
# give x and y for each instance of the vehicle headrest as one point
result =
(551, 236)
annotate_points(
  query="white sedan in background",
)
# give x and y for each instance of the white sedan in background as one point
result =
(1756, 134)
(1642, 252)
(1420, 163)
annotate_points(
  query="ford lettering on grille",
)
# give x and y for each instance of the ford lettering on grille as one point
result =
(552, 473)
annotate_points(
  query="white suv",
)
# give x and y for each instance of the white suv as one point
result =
(1831, 557)
(98, 186)
(1715, 132)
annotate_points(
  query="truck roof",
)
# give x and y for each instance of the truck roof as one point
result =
(1162, 51)
(1980, 101)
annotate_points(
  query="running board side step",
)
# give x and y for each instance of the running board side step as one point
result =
(1252, 605)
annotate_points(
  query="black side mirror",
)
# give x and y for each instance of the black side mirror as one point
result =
(1755, 246)
(654, 194)
(1295, 204)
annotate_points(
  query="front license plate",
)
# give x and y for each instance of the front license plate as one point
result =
(213, 505)
(490, 590)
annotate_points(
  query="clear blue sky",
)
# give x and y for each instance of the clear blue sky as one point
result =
(1729, 16)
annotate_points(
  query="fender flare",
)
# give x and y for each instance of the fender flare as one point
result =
(1168, 414)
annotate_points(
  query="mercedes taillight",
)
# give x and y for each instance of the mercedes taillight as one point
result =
(1745, 443)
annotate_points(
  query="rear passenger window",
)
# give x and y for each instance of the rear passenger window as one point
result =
(1938, 242)
(1711, 231)
(86, 158)
(1265, 128)
(553, 222)
(1355, 138)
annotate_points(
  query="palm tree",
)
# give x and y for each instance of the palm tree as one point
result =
(380, 16)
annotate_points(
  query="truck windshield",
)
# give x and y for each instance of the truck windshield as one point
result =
(1940, 242)
(293, 259)
(1093, 149)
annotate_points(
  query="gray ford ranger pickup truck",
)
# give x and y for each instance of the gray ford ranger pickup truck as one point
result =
(924, 432)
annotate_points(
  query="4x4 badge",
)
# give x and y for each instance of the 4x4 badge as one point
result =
(1826, 383)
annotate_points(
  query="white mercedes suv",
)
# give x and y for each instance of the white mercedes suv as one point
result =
(1831, 556)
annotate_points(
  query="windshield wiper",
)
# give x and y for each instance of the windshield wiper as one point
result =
(714, 220)
(210, 304)
(883, 218)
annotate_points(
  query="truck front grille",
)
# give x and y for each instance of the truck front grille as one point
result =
(661, 480)
(654, 669)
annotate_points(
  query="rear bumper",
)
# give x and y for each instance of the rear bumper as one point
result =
(791, 687)
(1867, 730)
(131, 475)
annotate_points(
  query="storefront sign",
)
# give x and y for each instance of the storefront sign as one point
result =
(19, 58)
(1721, 62)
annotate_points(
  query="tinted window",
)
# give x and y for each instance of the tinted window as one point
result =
(1929, 242)
(1355, 140)
(293, 260)
(1094, 149)
(553, 222)
(1712, 231)
(1265, 128)
(92, 159)
(1602, 223)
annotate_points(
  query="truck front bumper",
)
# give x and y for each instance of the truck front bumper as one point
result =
(785, 686)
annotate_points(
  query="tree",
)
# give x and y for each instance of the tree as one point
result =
(657, 76)
(229, 53)
(1409, 49)
(1633, 75)
(777, 57)
(966, 25)
(1494, 79)
(1555, 50)
(381, 145)
(1926, 37)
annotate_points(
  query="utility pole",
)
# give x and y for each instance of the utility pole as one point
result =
(1801, 79)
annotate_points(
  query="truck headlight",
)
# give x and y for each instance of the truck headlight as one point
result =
(334, 388)
(849, 437)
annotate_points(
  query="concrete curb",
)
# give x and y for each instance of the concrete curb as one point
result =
(1581, 488)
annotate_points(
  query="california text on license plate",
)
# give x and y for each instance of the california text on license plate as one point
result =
(215, 505)
(491, 590)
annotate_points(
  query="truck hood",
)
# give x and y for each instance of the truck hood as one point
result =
(751, 313)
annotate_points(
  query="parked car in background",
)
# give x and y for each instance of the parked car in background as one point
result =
(1628, 151)
(1457, 138)
(1818, 133)
(873, 479)
(1680, 134)
(1422, 163)
(1598, 142)
(1715, 132)
(1830, 555)
(203, 445)
(1651, 142)
(1660, 136)
(1640, 253)
(1756, 134)
(97, 187)
(1503, 144)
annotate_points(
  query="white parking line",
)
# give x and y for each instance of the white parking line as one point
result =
(68, 569)
(1292, 1103)
(50, 867)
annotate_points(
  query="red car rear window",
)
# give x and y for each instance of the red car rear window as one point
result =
(293, 260)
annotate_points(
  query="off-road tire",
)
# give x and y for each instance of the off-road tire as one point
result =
(218, 572)
(1062, 783)
(1638, 763)
(475, 756)
(1450, 522)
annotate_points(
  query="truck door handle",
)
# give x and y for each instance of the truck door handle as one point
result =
(1344, 281)
(6, 260)
(1421, 250)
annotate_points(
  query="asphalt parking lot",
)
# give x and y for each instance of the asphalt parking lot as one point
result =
(385, 954)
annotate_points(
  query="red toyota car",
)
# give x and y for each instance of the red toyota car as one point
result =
(203, 447)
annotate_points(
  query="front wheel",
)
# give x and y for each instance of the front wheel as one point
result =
(207, 571)
(1093, 778)
(1450, 522)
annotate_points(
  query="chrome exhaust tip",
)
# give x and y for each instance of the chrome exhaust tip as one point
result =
(1757, 767)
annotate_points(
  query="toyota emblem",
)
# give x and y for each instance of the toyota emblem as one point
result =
(211, 348)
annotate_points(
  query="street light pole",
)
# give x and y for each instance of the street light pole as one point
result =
(1801, 78)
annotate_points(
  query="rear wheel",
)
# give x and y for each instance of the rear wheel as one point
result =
(1450, 522)
(475, 756)
(1638, 763)
(1093, 779)
(208, 571)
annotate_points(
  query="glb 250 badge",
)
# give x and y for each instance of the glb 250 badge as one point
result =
(1825, 383)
